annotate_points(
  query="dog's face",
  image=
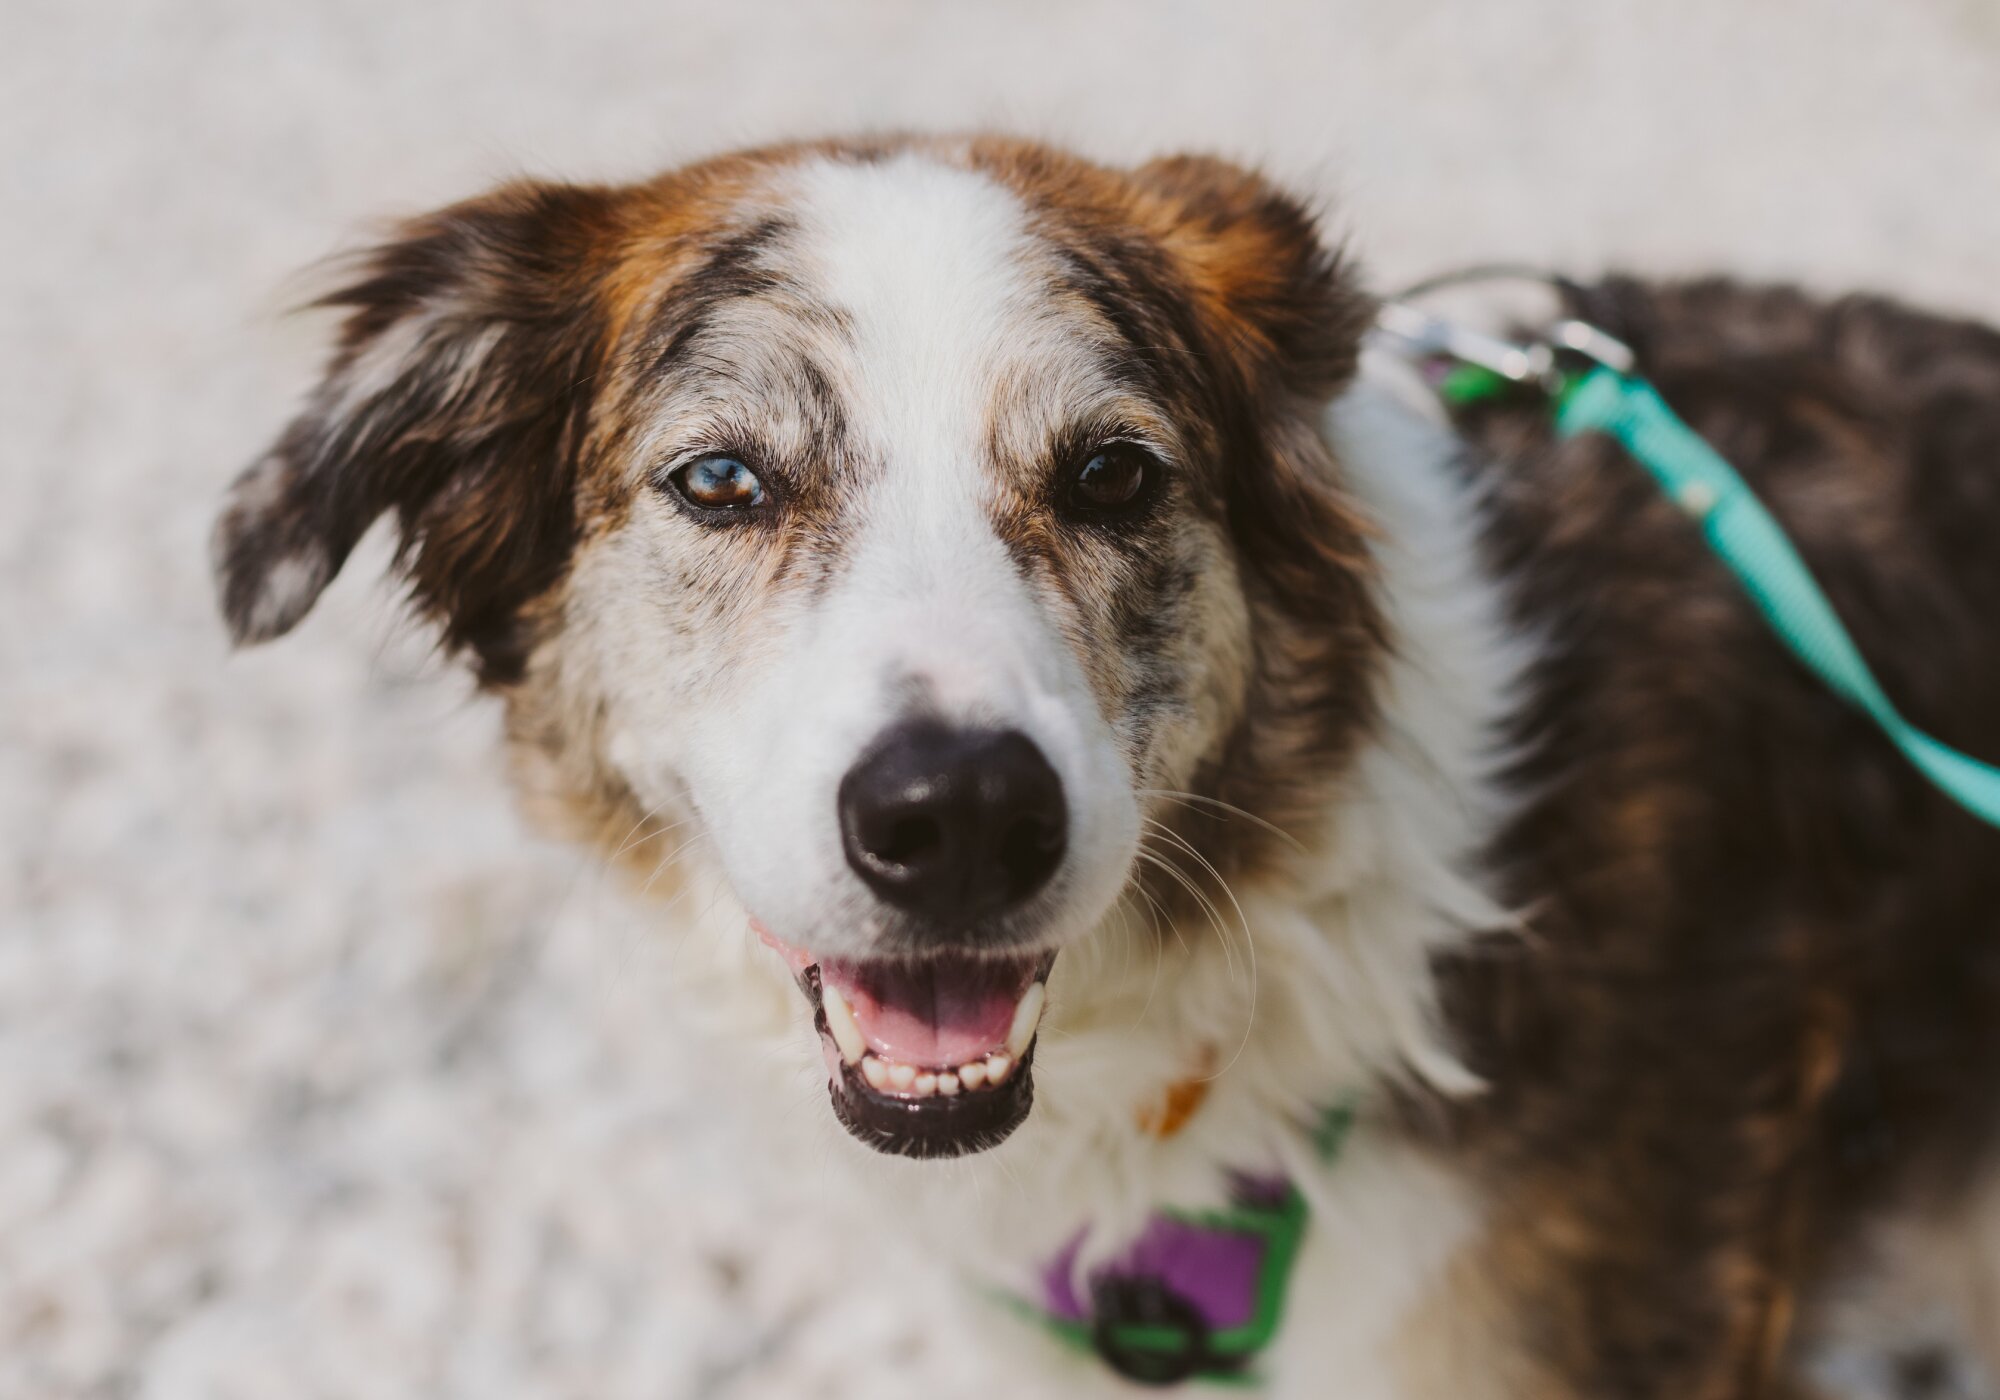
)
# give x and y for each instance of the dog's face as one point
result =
(924, 524)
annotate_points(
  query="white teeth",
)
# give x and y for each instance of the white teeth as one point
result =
(840, 1021)
(1027, 1016)
(890, 1077)
(886, 1076)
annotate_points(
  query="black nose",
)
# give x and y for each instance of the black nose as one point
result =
(953, 824)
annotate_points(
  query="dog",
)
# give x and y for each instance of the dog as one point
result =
(1119, 736)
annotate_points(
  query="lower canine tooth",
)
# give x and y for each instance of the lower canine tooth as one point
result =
(1027, 1016)
(840, 1021)
(972, 1075)
(997, 1067)
(875, 1072)
(924, 1086)
(947, 1084)
(902, 1076)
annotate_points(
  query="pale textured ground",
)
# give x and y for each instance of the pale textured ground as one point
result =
(318, 1076)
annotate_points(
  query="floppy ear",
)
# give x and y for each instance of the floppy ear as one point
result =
(456, 398)
(1283, 309)
(1286, 312)
(1284, 299)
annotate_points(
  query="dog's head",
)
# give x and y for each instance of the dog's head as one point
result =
(937, 528)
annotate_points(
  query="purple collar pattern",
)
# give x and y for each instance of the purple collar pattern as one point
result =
(1200, 1293)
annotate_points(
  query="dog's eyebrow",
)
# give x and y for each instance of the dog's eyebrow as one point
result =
(734, 269)
(825, 400)
(1157, 352)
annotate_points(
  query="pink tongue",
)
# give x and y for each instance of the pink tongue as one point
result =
(937, 1013)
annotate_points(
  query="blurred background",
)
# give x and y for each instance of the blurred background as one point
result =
(320, 1075)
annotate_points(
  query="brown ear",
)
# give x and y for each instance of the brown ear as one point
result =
(1283, 297)
(1283, 306)
(455, 398)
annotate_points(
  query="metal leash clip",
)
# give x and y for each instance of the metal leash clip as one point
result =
(1435, 343)
(1423, 337)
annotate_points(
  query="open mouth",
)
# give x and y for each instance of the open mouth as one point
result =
(930, 1056)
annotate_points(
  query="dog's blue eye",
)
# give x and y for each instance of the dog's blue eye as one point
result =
(719, 483)
(1112, 479)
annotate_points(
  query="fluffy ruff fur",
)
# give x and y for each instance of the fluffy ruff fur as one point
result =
(1437, 771)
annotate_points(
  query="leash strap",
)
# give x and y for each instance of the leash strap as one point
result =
(1757, 551)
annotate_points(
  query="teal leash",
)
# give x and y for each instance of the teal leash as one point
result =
(1608, 396)
(1755, 548)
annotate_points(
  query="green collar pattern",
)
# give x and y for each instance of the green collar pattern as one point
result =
(1201, 1293)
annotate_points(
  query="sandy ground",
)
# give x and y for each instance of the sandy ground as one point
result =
(318, 1075)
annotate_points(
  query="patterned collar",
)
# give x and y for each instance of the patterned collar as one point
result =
(1200, 1294)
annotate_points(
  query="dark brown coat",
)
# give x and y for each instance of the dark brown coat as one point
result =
(1761, 992)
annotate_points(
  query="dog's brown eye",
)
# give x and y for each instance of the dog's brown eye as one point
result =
(1114, 479)
(719, 483)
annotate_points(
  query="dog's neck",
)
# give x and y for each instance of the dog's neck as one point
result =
(1172, 1059)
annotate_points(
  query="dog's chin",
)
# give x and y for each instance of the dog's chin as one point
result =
(927, 1056)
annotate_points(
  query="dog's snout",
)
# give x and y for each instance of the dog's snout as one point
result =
(954, 825)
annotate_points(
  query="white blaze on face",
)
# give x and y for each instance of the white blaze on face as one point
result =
(938, 284)
(932, 267)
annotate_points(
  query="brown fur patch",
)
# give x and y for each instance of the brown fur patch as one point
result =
(1181, 1100)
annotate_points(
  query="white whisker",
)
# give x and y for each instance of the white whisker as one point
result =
(1249, 937)
(1189, 799)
